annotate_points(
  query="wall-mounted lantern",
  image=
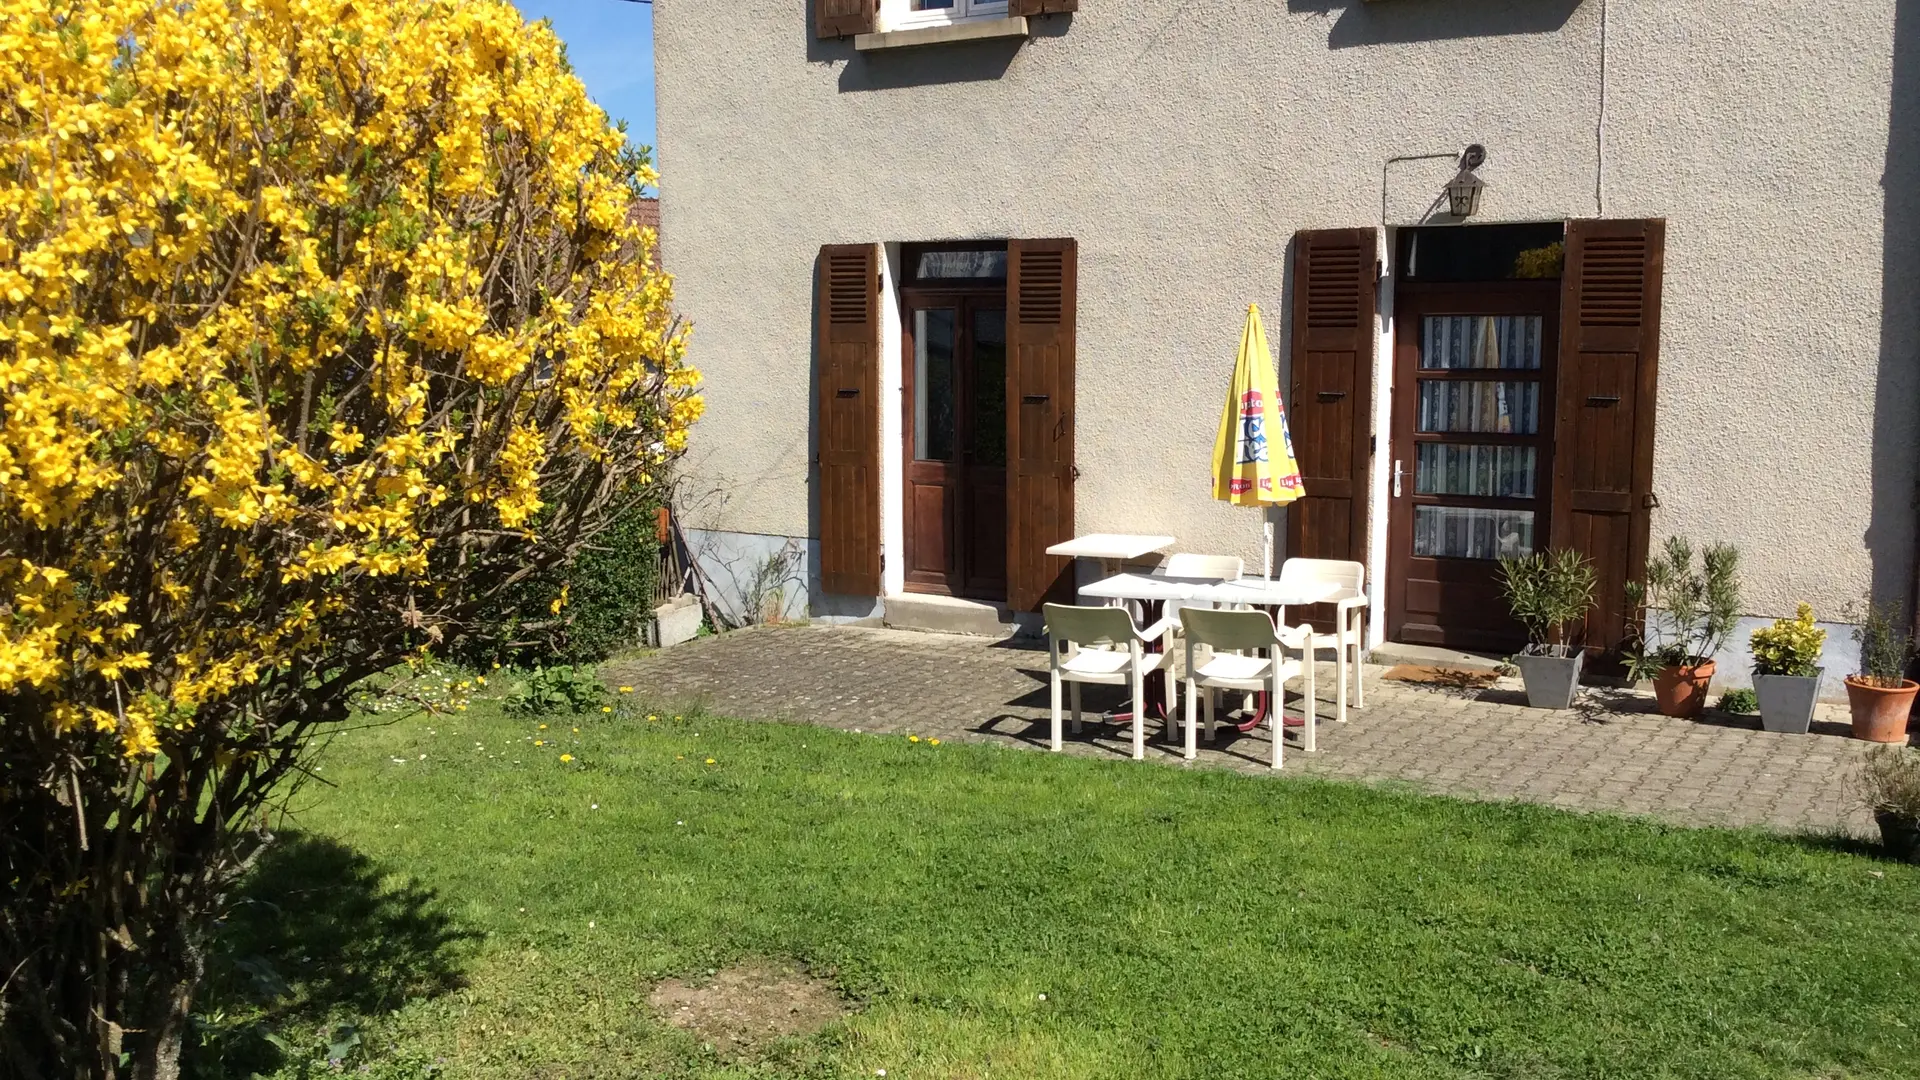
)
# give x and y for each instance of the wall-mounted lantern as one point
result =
(1463, 191)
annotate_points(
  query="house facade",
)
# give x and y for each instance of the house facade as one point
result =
(967, 279)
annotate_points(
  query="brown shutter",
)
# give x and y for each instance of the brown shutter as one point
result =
(848, 392)
(1603, 447)
(841, 18)
(1040, 311)
(1042, 7)
(1335, 273)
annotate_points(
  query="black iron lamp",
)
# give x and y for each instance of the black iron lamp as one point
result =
(1463, 191)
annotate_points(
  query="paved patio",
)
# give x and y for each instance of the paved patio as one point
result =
(1612, 752)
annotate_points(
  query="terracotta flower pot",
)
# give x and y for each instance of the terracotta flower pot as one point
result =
(1880, 713)
(1681, 690)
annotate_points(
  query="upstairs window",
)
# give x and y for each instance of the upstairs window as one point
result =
(906, 14)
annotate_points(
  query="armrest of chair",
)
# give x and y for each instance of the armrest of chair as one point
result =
(1295, 637)
(1158, 630)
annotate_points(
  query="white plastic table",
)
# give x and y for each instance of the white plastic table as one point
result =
(1111, 549)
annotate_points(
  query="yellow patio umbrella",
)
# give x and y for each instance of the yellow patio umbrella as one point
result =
(1253, 463)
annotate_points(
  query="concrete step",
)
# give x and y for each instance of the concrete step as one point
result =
(949, 615)
(1434, 656)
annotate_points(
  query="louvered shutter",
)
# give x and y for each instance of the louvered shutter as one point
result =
(843, 18)
(1609, 367)
(1333, 338)
(1042, 7)
(848, 439)
(1040, 338)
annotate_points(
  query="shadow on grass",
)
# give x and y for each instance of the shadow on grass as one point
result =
(318, 932)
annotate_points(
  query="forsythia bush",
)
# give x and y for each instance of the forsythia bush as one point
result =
(321, 323)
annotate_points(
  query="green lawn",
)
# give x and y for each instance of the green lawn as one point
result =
(474, 913)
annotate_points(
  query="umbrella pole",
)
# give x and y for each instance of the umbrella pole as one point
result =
(1266, 557)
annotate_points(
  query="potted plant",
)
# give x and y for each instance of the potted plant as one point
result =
(1881, 695)
(1690, 612)
(1888, 784)
(1547, 592)
(1786, 671)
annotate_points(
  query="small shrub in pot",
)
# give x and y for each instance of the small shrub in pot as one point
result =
(1548, 592)
(1880, 695)
(1786, 671)
(1887, 783)
(1691, 611)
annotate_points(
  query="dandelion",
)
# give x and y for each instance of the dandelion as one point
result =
(606, 708)
(626, 689)
(539, 742)
(481, 679)
(650, 716)
(564, 758)
(543, 727)
(913, 738)
(710, 761)
(933, 742)
(576, 731)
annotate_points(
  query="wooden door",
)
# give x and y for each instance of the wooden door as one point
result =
(1609, 373)
(847, 406)
(1042, 278)
(956, 443)
(1473, 445)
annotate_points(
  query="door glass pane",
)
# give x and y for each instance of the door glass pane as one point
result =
(988, 442)
(933, 343)
(1509, 408)
(1462, 532)
(1503, 472)
(1481, 341)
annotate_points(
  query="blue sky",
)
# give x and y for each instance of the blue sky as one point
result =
(610, 43)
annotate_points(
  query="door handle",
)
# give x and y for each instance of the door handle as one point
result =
(1398, 470)
(1033, 399)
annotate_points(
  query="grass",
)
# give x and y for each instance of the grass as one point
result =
(488, 911)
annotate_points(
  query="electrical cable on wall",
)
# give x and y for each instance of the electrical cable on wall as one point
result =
(1600, 125)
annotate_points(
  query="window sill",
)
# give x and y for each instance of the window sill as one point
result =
(951, 33)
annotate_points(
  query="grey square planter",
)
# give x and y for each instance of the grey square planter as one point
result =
(1551, 680)
(1786, 701)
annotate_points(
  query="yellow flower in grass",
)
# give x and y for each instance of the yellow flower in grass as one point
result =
(539, 742)
(606, 708)
(564, 758)
(913, 738)
(543, 727)
(626, 689)
(933, 742)
(710, 761)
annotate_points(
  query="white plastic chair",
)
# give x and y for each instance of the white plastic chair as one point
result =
(1236, 639)
(1349, 597)
(1076, 628)
(1183, 564)
(1186, 564)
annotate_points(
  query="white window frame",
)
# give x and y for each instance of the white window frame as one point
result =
(900, 14)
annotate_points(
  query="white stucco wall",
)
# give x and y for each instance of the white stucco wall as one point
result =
(1182, 145)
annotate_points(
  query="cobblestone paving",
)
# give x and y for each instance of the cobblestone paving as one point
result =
(1612, 752)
